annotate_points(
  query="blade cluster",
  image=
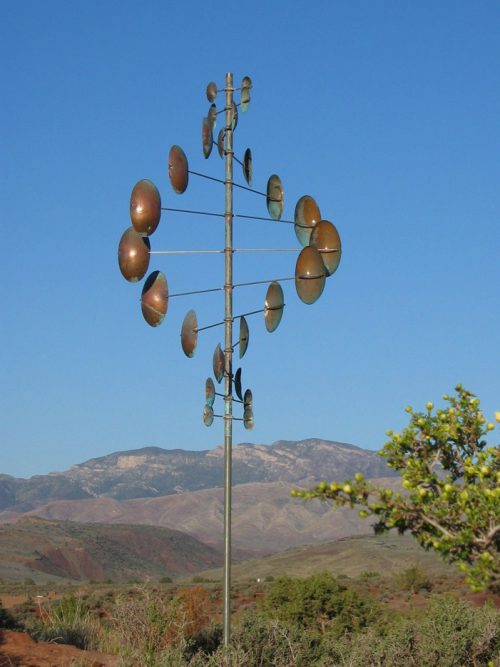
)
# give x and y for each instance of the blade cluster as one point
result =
(318, 259)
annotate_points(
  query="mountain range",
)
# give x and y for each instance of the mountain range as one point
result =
(265, 518)
(153, 472)
(180, 492)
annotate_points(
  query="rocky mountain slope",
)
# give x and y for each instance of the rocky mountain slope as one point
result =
(153, 472)
(41, 549)
(265, 518)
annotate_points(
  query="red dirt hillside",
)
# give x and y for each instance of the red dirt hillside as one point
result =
(19, 650)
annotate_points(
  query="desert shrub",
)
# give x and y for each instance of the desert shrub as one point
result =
(206, 641)
(453, 633)
(414, 579)
(304, 601)
(7, 620)
(450, 633)
(272, 642)
(152, 630)
(165, 580)
(373, 648)
(143, 624)
(69, 621)
(319, 602)
(355, 613)
(195, 607)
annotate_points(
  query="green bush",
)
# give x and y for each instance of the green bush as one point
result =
(67, 622)
(450, 633)
(453, 633)
(319, 602)
(450, 475)
(271, 642)
(414, 579)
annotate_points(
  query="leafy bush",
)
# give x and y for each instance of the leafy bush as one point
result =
(414, 579)
(450, 476)
(319, 602)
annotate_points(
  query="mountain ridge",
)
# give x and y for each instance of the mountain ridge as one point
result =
(150, 472)
(265, 518)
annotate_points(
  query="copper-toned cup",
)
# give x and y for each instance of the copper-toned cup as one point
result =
(310, 275)
(307, 216)
(145, 207)
(245, 99)
(220, 142)
(244, 337)
(207, 137)
(248, 399)
(237, 384)
(219, 362)
(178, 169)
(248, 422)
(273, 306)
(326, 239)
(189, 334)
(212, 116)
(133, 255)
(275, 197)
(234, 116)
(211, 91)
(154, 298)
(247, 166)
(209, 392)
(208, 415)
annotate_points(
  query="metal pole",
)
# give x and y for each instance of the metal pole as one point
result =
(228, 324)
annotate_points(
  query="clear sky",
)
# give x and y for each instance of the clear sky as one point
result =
(387, 112)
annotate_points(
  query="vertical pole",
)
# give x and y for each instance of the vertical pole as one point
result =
(228, 392)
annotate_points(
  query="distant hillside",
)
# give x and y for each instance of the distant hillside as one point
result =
(351, 556)
(266, 518)
(153, 472)
(42, 549)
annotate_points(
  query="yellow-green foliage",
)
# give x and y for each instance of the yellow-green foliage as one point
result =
(451, 497)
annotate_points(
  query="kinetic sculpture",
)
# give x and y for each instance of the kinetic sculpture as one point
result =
(318, 259)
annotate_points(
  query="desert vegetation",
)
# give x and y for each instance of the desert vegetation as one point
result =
(413, 618)
(316, 614)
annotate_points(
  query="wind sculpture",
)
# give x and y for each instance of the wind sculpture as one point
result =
(318, 259)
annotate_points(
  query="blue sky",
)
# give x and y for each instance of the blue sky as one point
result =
(386, 112)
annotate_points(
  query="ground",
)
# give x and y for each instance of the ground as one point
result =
(17, 649)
